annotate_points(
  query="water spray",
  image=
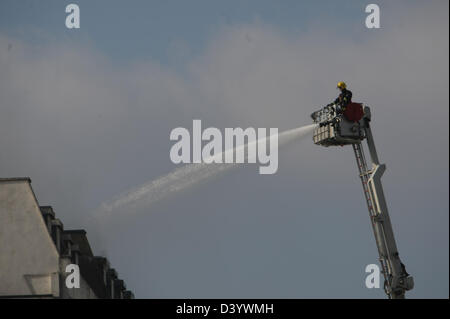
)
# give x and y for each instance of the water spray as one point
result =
(188, 176)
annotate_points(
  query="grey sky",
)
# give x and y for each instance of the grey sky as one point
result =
(88, 116)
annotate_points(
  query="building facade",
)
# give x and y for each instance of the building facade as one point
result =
(35, 251)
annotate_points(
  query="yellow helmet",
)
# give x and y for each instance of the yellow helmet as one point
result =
(341, 85)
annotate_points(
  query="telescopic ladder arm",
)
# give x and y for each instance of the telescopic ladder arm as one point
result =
(397, 280)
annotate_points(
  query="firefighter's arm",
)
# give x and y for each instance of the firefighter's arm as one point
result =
(345, 100)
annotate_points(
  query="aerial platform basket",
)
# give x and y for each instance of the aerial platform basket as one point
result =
(340, 128)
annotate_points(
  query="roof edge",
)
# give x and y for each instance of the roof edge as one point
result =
(15, 179)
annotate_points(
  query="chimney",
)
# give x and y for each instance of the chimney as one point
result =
(66, 245)
(104, 265)
(119, 288)
(48, 215)
(128, 295)
(57, 229)
(111, 275)
(75, 254)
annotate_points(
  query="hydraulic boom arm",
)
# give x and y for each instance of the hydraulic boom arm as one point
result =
(352, 126)
(397, 280)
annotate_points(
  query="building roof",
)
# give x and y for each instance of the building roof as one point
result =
(71, 245)
(79, 238)
(47, 210)
(15, 179)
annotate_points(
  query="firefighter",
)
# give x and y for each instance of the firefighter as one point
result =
(344, 98)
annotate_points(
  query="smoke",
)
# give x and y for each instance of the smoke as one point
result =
(186, 177)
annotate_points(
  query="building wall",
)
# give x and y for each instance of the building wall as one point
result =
(29, 261)
(35, 250)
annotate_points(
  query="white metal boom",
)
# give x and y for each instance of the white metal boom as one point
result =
(335, 129)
